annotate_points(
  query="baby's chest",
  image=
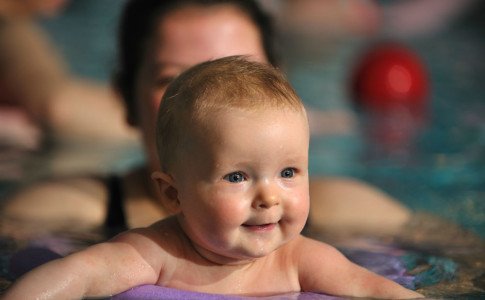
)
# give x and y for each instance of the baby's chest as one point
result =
(240, 282)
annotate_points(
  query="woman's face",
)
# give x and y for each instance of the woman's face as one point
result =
(186, 37)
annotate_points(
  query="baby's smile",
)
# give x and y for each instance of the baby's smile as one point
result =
(260, 227)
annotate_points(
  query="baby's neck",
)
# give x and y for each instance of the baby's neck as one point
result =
(216, 259)
(211, 258)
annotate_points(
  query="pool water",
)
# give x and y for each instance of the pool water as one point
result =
(438, 166)
(437, 169)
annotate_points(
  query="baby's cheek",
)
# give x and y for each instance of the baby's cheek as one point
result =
(232, 214)
(229, 204)
(299, 205)
(223, 207)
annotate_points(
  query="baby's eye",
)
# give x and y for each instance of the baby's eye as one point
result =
(235, 177)
(288, 173)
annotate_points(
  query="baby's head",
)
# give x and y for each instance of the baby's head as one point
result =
(224, 84)
(233, 142)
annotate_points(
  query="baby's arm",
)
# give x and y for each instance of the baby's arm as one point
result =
(324, 269)
(101, 270)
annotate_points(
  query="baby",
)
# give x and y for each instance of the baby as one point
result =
(233, 142)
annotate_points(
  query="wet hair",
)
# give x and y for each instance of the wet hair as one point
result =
(138, 23)
(228, 83)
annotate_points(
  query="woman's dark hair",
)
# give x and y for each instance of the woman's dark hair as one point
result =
(138, 22)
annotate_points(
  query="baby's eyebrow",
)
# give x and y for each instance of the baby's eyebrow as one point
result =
(295, 157)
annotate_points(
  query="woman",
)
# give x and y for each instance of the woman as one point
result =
(158, 40)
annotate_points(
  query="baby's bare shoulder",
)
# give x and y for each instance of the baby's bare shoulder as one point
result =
(305, 246)
(154, 244)
(315, 256)
(158, 235)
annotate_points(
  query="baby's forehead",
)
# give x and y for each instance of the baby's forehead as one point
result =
(250, 113)
(218, 119)
(239, 132)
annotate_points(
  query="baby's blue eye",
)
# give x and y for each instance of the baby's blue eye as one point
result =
(234, 177)
(288, 173)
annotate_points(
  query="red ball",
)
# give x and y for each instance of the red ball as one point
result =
(390, 76)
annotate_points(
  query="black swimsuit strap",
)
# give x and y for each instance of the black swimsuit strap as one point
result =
(115, 216)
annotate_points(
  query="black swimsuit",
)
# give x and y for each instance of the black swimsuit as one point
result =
(115, 216)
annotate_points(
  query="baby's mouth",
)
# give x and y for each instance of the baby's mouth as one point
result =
(260, 227)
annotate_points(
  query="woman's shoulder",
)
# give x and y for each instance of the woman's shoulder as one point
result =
(350, 206)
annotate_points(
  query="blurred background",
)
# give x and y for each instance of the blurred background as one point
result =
(428, 150)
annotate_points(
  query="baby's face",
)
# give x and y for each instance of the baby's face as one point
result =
(243, 183)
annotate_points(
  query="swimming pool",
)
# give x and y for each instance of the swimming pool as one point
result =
(441, 171)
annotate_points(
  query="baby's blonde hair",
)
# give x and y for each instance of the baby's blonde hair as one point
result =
(213, 86)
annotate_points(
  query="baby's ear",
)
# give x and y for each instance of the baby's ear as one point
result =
(166, 186)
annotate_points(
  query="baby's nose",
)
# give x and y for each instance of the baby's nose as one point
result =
(267, 196)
